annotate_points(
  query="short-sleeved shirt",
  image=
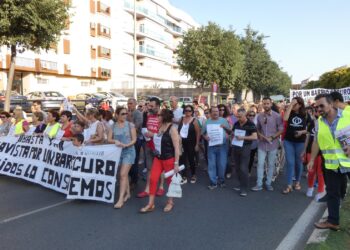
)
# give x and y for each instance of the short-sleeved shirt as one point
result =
(137, 119)
(219, 121)
(249, 128)
(178, 114)
(296, 122)
(67, 131)
(269, 124)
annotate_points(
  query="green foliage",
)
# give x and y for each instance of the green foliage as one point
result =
(261, 75)
(32, 24)
(210, 54)
(335, 79)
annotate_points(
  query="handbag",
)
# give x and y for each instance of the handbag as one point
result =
(175, 189)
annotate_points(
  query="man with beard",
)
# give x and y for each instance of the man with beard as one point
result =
(269, 127)
(337, 161)
(149, 128)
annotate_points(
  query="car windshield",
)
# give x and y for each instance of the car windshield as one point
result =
(117, 95)
(13, 93)
(99, 95)
(53, 94)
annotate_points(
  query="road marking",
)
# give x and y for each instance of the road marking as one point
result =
(297, 232)
(34, 211)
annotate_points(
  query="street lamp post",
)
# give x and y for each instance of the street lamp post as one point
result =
(135, 44)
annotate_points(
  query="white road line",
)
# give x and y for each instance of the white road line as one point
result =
(297, 232)
(34, 211)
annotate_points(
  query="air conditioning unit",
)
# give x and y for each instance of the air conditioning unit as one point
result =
(68, 67)
(92, 25)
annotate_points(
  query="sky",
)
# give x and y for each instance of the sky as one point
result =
(305, 37)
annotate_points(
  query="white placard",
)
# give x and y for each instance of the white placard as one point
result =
(307, 94)
(157, 140)
(215, 134)
(184, 130)
(235, 142)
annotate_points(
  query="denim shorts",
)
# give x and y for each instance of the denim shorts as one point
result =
(128, 156)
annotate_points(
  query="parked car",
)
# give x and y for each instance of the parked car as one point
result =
(15, 100)
(147, 97)
(49, 99)
(116, 98)
(185, 101)
(81, 100)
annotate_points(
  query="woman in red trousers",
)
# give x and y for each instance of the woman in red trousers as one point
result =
(167, 151)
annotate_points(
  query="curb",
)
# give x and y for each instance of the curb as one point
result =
(319, 235)
(297, 233)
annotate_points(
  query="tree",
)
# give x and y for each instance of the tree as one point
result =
(210, 54)
(30, 25)
(336, 79)
(261, 74)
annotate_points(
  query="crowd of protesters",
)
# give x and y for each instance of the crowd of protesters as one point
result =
(165, 136)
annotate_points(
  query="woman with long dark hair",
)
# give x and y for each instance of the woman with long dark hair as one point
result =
(295, 136)
(190, 134)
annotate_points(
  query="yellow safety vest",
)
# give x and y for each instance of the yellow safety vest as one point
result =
(19, 128)
(330, 147)
(52, 131)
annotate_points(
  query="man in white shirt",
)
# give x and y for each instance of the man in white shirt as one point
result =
(177, 111)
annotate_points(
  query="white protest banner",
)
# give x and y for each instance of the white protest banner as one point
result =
(235, 141)
(85, 173)
(307, 94)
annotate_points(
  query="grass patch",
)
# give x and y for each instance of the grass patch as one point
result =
(337, 240)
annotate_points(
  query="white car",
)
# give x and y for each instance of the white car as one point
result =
(117, 99)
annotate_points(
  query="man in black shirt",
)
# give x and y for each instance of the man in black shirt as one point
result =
(244, 133)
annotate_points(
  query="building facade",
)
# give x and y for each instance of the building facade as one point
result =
(96, 50)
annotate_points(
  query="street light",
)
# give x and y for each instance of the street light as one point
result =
(135, 44)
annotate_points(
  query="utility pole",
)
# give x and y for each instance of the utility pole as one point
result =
(135, 44)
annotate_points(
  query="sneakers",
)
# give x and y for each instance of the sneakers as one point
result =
(237, 188)
(323, 199)
(269, 188)
(222, 185)
(160, 192)
(228, 176)
(319, 196)
(193, 179)
(257, 188)
(310, 192)
(243, 194)
(183, 181)
(212, 186)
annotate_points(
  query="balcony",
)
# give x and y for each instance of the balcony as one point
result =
(22, 63)
(154, 35)
(175, 30)
(104, 52)
(104, 73)
(103, 8)
(103, 31)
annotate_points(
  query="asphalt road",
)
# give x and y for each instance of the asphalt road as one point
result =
(202, 219)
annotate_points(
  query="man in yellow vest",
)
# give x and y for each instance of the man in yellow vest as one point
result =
(337, 162)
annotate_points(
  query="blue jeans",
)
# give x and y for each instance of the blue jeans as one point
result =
(217, 159)
(293, 151)
(271, 158)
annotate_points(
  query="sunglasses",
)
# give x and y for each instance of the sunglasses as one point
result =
(140, 106)
(265, 120)
(123, 113)
(206, 113)
(222, 109)
(188, 111)
(251, 115)
(321, 106)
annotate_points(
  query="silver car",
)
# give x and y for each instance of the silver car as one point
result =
(49, 99)
(117, 99)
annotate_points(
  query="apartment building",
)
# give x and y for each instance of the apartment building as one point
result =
(96, 50)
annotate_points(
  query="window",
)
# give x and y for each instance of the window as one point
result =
(83, 84)
(103, 8)
(41, 81)
(104, 52)
(104, 30)
(105, 73)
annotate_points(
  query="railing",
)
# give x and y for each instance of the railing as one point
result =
(152, 52)
(48, 65)
(153, 15)
(154, 34)
(25, 62)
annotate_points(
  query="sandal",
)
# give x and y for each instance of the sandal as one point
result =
(168, 207)
(297, 186)
(147, 209)
(287, 190)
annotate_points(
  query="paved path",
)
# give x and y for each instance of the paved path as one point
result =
(32, 217)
